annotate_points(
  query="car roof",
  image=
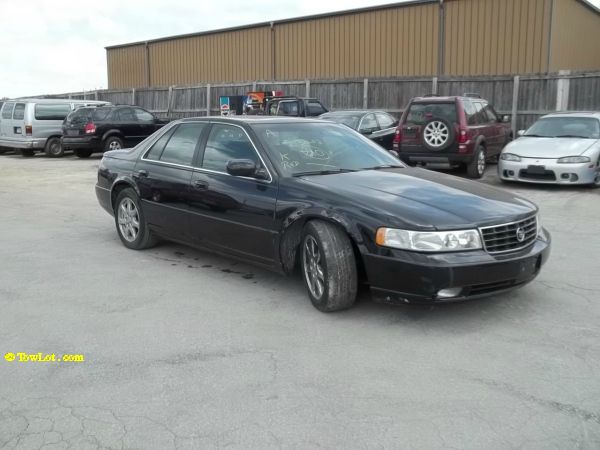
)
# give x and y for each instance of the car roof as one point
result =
(592, 114)
(249, 120)
(351, 112)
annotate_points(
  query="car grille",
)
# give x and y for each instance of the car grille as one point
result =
(510, 236)
(546, 175)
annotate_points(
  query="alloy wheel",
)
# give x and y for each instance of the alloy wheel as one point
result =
(481, 162)
(313, 268)
(129, 220)
(114, 145)
(436, 133)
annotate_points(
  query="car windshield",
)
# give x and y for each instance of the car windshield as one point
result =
(350, 120)
(421, 112)
(578, 127)
(298, 148)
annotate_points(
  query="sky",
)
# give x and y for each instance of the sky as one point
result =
(57, 46)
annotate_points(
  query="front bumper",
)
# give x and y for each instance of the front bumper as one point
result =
(411, 277)
(553, 173)
(22, 142)
(80, 142)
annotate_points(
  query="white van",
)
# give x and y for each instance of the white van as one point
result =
(33, 124)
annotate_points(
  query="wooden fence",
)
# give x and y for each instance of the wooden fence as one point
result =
(525, 97)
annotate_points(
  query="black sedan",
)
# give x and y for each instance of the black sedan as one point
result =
(303, 193)
(378, 126)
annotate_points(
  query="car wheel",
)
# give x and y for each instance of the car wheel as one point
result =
(130, 221)
(328, 266)
(54, 148)
(82, 153)
(438, 134)
(476, 167)
(113, 143)
(27, 152)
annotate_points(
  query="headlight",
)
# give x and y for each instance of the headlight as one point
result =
(429, 241)
(573, 160)
(510, 157)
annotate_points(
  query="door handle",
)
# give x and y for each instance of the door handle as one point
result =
(142, 173)
(201, 184)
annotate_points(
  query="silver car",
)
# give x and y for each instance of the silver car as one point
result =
(560, 148)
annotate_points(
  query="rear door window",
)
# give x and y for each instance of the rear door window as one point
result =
(49, 111)
(421, 112)
(480, 115)
(182, 145)
(288, 109)
(315, 109)
(143, 116)
(127, 115)
(101, 114)
(7, 110)
(368, 123)
(19, 113)
(385, 120)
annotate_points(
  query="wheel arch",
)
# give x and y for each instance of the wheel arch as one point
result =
(119, 185)
(111, 132)
(292, 237)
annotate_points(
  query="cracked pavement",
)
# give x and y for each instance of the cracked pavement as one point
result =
(188, 350)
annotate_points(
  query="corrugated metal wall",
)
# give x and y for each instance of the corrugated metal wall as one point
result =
(496, 36)
(575, 37)
(126, 66)
(401, 41)
(481, 37)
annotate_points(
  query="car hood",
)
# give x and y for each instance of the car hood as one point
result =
(533, 147)
(422, 199)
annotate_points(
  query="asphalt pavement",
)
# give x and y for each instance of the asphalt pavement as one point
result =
(187, 350)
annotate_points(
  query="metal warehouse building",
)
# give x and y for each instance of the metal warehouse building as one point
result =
(417, 38)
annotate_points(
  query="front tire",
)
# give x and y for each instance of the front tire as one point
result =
(131, 223)
(53, 148)
(328, 266)
(476, 168)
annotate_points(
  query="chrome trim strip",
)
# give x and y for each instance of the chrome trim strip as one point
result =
(201, 169)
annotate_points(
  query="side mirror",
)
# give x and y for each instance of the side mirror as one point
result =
(520, 132)
(506, 119)
(241, 167)
(366, 131)
(394, 153)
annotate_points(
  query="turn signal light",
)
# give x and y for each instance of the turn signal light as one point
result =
(463, 138)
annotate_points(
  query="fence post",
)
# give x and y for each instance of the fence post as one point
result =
(434, 87)
(95, 95)
(208, 99)
(254, 86)
(515, 105)
(133, 96)
(562, 90)
(365, 93)
(307, 88)
(169, 102)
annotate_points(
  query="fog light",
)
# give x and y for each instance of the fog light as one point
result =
(449, 293)
(511, 173)
(565, 176)
(574, 177)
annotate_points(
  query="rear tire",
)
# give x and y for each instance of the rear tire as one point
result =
(131, 223)
(53, 148)
(113, 143)
(328, 266)
(27, 152)
(82, 153)
(476, 167)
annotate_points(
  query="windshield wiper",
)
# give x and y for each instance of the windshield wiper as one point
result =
(384, 166)
(323, 172)
(571, 136)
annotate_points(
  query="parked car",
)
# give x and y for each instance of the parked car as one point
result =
(294, 107)
(447, 132)
(91, 130)
(378, 126)
(560, 148)
(286, 192)
(32, 125)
